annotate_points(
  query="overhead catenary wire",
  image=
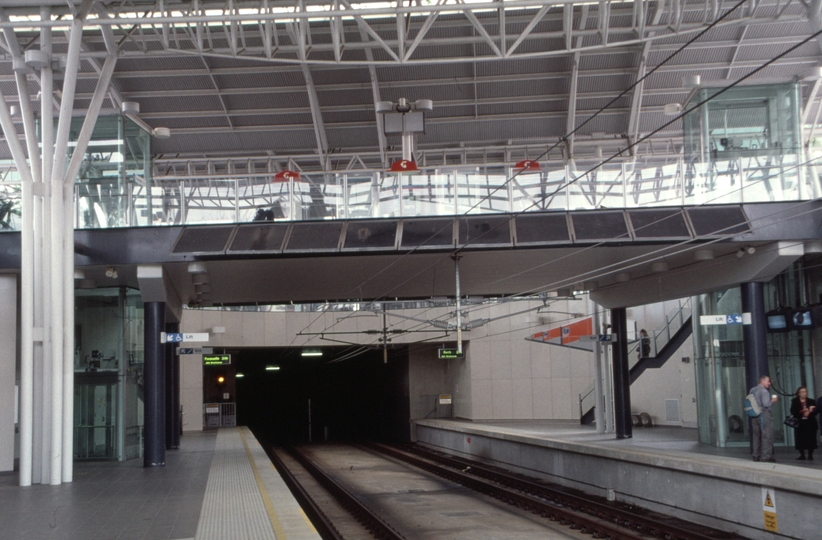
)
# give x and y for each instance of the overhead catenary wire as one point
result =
(562, 140)
(602, 163)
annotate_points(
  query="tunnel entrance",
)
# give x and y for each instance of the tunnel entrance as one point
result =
(343, 397)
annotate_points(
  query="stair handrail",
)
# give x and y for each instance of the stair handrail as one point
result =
(674, 320)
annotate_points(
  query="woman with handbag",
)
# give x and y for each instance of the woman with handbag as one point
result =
(804, 410)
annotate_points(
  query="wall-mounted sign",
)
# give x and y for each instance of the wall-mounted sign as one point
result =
(216, 359)
(445, 399)
(195, 350)
(449, 354)
(176, 337)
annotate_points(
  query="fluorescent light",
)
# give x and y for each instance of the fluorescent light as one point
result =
(239, 375)
(272, 368)
(311, 352)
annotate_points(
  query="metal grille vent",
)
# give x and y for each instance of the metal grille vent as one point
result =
(672, 410)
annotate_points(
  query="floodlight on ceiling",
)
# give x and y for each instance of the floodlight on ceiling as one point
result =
(311, 352)
(672, 109)
(130, 107)
(285, 176)
(196, 268)
(404, 166)
(527, 166)
(36, 59)
(691, 81)
(161, 133)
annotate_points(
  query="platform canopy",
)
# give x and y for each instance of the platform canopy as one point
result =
(241, 84)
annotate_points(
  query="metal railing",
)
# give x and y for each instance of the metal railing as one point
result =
(234, 198)
(658, 338)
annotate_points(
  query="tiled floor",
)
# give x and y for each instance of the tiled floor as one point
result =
(111, 500)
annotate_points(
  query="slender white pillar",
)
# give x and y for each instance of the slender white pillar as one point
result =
(599, 412)
(27, 286)
(42, 261)
(68, 261)
(56, 246)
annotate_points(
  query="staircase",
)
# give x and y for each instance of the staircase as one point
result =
(664, 343)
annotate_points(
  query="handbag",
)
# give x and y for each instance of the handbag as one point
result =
(792, 421)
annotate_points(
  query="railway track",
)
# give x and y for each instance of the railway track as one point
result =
(589, 515)
(580, 513)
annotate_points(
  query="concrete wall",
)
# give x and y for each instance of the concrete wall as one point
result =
(673, 381)
(191, 391)
(720, 492)
(8, 363)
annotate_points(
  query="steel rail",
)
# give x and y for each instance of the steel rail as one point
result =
(365, 516)
(325, 527)
(579, 512)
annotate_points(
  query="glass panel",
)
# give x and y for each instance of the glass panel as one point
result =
(659, 224)
(370, 234)
(362, 196)
(314, 236)
(10, 206)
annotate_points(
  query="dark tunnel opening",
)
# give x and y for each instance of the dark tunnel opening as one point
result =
(354, 398)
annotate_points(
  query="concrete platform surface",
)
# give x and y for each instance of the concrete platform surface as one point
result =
(218, 485)
(664, 469)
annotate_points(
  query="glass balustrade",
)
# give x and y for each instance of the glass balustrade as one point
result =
(743, 146)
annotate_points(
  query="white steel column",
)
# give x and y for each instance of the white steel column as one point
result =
(27, 289)
(26, 262)
(599, 413)
(42, 261)
(62, 273)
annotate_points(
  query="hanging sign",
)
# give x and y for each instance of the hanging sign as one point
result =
(195, 350)
(216, 359)
(449, 354)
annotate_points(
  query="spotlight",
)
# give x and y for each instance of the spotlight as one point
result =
(111, 272)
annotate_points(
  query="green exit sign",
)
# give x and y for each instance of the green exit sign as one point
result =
(449, 354)
(216, 359)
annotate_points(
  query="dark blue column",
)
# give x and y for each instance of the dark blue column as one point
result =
(754, 335)
(622, 376)
(172, 391)
(154, 452)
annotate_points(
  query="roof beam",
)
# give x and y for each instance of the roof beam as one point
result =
(375, 94)
(571, 120)
(636, 97)
(298, 32)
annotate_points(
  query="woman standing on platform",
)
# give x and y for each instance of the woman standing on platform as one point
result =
(804, 409)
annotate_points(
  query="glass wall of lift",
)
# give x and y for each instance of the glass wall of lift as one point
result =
(108, 374)
(720, 359)
(746, 144)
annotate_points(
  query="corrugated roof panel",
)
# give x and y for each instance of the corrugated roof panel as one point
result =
(614, 60)
(434, 93)
(409, 74)
(526, 107)
(340, 76)
(328, 97)
(165, 84)
(241, 141)
(174, 103)
(131, 63)
(286, 119)
(766, 52)
(550, 64)
(500, 130)
(336, 117)
(597, 83)
(352, 137)
(191, 122)
(519, 88)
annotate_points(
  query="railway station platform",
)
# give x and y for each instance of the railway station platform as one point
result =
(663, 469)
(219, 485)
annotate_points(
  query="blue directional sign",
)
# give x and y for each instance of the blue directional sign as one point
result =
(172, 337)
(733, 318)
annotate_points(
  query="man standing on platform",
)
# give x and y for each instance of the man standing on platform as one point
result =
(762, 426)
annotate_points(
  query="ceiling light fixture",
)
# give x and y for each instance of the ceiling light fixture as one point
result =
(311, 352)
(272, 368)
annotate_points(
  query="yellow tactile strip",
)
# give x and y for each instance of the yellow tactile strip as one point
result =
(245, 498)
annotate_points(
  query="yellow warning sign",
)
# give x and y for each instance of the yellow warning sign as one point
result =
(770, 522)
(769, 509)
